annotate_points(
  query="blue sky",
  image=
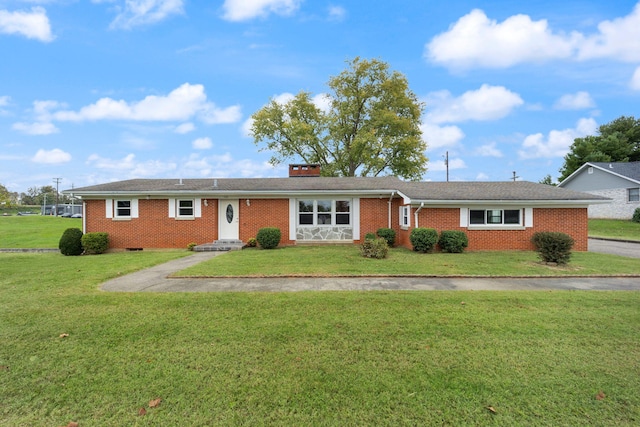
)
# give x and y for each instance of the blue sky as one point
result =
(104, 90)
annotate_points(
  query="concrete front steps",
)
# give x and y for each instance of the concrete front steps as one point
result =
(220, 245)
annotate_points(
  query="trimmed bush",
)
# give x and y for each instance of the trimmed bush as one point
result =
(370, 236)
(191, 246)
(553, 246)
(423, 239)
(374, 248)
(71, 242)
(252, 242)
(453, 241)
(387, 234)
(636, 215)
(96, 243)
(268, 237)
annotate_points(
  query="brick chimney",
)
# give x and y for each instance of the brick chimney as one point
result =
(304, 170)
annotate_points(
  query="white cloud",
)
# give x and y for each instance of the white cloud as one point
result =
(337, 13)
(51, 157)
(440, 165)
(129, 166)
(441, 136)
(575, 101)
(557, 143)
(33, 24)
(224, 165)
(183, 103)
(242, 10)
(635, 80)
(486, 103)
(477, 41)
(202, 143)
(617, 39)
(185, 128)
(38, 128)
(4, 100)
(489, 150)
(245, 129)
(144, 12)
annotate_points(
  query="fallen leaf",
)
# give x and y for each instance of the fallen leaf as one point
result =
(462, 303)
(492, 409)
(64, 335)
(142, 412)
(600, 395)
(155, 403)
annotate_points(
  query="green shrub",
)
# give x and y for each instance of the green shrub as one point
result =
(191, 246)
(636, 215)
(453, 241)
(553, 246)
(71, 242)
(268, 237)
(252, 242)
(423, 239)
(370, 236)
(387, 234)
(374, 248)
(95, 243)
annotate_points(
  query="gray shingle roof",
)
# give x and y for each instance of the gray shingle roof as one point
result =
(416, 191)
(627, 169)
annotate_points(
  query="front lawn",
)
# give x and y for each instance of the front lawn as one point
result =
(347, 261)
(73, 353)
(34, 231)
(614, 229)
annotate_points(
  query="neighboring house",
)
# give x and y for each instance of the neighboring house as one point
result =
(171, 213)
(619, 182)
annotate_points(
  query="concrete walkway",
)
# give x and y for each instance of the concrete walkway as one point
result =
(155, 280)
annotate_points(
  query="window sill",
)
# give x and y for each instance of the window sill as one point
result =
(496, 227)
(185, 218)
(125, 218)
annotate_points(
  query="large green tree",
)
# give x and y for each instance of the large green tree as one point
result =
(617, 141)
(369, 126)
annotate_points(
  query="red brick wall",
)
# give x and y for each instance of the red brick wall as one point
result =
(572, 221)
(153, 228)
(264, 213)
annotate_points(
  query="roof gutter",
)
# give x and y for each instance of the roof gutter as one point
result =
(416, 214)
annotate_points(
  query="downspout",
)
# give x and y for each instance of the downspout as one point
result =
(84, 217)
(393, 193)
(416, 214)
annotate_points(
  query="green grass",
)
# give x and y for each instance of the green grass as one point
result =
(614, 228)
(346, 260)
(310, 358)
(34, 231)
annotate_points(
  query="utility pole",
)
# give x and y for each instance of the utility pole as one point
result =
(57, 181)
(446, 163)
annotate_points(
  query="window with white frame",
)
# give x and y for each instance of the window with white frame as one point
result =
(185, 208)
(324, 212)
(405, 218)
(634, 195)
(123, 209)
(495, 217)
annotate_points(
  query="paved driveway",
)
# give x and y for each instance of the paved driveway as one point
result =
(615, 247)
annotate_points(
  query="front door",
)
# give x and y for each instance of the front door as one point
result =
(228, 219)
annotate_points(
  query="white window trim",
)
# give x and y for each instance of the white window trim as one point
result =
(526, 219)
(405, 213)
(629, 195)
(333, 212)
(111, 206)
(174, 209)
